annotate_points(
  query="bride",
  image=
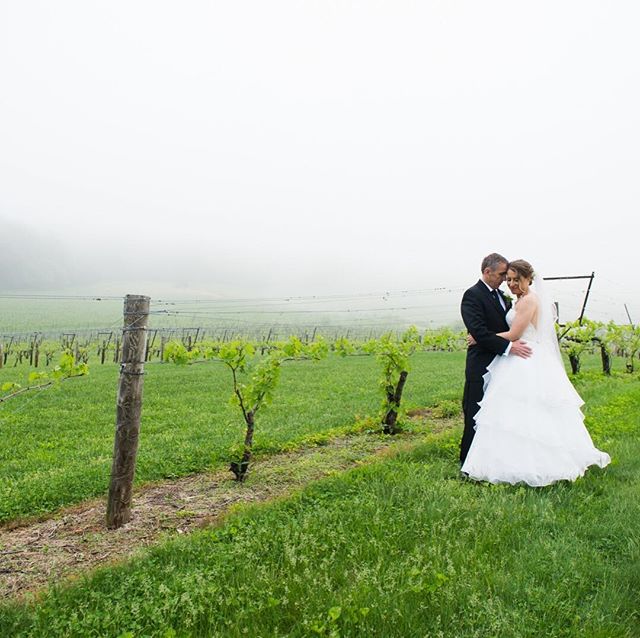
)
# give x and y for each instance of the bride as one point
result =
(529, 427)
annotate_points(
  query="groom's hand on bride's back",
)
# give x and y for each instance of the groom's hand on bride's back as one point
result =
(520, 349)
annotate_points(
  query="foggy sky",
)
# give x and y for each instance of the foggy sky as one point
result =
(303, 147)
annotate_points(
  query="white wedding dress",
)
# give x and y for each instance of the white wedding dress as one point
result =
(530, 427)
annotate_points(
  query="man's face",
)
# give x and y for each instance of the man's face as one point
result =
(495, 277)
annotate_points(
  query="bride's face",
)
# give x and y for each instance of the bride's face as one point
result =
(516, 286)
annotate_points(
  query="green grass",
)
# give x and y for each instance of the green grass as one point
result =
(36, 315)
(56, 444)
(400, 548)
(24, 316)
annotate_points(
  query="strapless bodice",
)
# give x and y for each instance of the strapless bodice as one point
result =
(530, 333)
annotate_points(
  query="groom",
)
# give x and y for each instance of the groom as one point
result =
(484, 310)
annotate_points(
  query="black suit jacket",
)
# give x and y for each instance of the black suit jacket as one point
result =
(484, 317)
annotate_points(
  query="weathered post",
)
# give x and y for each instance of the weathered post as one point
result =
(129, 408)
(147, 347)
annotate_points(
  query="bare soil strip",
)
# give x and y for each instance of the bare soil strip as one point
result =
(76, 540)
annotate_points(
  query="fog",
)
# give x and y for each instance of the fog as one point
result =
(253, 149)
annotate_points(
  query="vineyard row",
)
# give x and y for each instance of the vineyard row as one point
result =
(106, 346)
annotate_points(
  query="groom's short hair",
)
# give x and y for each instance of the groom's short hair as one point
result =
(493, 261)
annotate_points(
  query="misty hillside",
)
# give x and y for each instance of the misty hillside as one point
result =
(30, 260)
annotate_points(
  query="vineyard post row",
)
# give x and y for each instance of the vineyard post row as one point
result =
(38, 348)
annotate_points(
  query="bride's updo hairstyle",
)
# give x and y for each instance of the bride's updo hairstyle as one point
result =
(522, 268)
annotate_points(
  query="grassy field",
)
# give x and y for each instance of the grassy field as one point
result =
(25, 316)
(402, 547)
(56, 444)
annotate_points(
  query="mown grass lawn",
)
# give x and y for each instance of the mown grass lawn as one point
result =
(399, 548)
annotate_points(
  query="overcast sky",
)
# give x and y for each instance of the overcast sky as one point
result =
(308, 147)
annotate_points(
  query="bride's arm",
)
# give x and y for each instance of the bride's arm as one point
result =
(474, 318)
(526, 310)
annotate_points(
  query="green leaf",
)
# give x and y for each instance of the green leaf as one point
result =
(66, 362)
(335, 613)
(175, 352)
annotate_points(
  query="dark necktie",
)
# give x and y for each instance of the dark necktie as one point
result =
(494, 294)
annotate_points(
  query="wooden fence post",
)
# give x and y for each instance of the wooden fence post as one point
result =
(129, 408)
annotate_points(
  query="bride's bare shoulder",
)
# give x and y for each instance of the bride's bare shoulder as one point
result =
(528, 301)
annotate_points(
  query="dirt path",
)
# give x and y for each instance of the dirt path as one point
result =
(75, 540)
